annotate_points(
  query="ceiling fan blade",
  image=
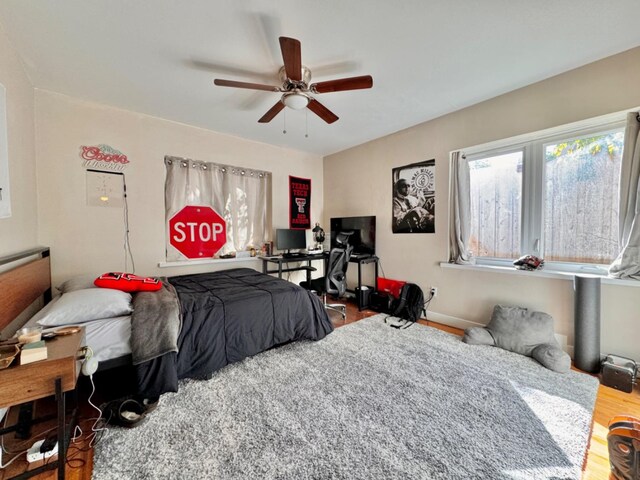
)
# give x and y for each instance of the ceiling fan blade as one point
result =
(352, 83)
(323, 112)
(273, 111)
(251, 86)
(292, 58)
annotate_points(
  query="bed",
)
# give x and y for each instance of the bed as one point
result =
(225, 317)
(222, 317)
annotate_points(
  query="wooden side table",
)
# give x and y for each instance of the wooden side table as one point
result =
(54, 376)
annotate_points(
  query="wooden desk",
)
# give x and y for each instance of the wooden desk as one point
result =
(54, 376)
(279, 260)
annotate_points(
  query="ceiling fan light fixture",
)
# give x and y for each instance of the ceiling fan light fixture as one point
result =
(295, 100)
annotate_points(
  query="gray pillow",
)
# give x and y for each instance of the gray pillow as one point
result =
(79, 282)
(528, 333)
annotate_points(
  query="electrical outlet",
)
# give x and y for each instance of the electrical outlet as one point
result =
(434, 292)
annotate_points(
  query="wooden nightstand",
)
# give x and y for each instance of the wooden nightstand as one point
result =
(53, 376)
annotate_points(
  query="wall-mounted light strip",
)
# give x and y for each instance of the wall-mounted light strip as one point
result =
(105, 189)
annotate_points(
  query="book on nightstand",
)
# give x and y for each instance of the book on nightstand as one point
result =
(33, 352)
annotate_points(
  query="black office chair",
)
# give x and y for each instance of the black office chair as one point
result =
(335, 280)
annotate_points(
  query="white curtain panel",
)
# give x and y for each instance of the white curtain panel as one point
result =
(240, 195)
(627, 264)
(460, 217)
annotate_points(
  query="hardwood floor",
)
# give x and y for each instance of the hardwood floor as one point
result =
(609, 403)
(79, 458)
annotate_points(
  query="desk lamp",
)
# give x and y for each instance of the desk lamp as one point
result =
(318, 236)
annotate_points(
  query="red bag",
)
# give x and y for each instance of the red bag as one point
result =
(128, 282)
(392, 287)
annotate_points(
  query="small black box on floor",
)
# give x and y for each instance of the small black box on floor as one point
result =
(619, 373)
(380, 302)
(363, 295)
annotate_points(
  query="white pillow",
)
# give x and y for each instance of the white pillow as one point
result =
(85, 305)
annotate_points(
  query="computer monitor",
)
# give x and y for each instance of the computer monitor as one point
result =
(290, 239)
(363, 238)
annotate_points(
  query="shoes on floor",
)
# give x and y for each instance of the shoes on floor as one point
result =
(127, 412)
(150, 404)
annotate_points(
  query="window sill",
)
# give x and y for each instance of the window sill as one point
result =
(208, 261)
(545, 273)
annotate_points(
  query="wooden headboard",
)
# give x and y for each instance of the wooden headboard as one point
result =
(24, 284)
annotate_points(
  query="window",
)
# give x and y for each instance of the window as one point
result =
(496, 205)
(241, 196)
(581, 177)
(553, 197)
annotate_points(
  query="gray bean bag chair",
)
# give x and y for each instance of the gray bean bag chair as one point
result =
(518, 330)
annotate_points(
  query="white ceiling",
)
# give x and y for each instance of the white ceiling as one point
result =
(427, 57)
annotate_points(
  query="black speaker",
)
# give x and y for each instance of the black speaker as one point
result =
(363, 297)
(619, 373)
(587, 323)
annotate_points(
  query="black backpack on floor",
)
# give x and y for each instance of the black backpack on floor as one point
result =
(410, 305)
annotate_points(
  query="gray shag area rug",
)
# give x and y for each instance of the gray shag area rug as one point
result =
(367, 402)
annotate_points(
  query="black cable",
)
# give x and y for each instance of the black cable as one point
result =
(428, 300)
(127, 245)
(425, 305)
(380, 265)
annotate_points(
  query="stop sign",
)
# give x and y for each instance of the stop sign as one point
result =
(197, 231)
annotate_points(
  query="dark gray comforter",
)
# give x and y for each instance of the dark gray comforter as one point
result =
(228, 316)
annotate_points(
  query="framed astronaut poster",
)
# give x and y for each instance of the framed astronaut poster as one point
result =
(414, 198)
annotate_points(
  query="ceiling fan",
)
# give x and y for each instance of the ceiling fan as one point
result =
(296, 89)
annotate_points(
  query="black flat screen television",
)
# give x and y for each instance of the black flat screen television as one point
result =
(291, 239)
(364, 233)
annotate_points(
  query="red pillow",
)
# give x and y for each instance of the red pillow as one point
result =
(128, 282)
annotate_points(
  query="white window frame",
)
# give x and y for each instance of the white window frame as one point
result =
(532, 211)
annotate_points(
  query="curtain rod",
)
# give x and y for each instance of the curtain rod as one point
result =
(184, 162)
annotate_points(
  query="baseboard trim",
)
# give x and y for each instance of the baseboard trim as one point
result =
(461, 323)
(450, 321)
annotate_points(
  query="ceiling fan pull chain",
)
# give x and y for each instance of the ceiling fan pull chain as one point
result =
(306, 123)
(284, 122)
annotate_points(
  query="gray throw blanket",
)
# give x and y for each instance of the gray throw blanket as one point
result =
(155, 323)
